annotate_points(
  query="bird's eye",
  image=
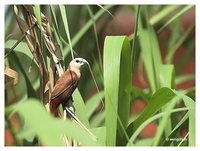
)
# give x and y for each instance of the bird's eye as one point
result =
(77, 61)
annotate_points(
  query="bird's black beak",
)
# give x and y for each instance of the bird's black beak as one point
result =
(84, 61)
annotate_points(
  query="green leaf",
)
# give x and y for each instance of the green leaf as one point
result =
(150, 51)
(95, 33)
(40, 121)
(167, 76)
(27, 132)
(151, 119)
(144, 142)
(176, 31)
(163, 13)
(92, 104)
(31, 92)
(55, 27)
(100, 132)
(165, 124)
(181, 12)
(84, 29)
(98, 119)
(187, 55)
(117, 82)
(9, 23)
(80, 107)
(37, 14)
(172, 50)
(134, 50)
(173, 133)
(21, 47)
(50, 130)
(155, 104)
(190, 104)
(184, 78)
(20, 51)
(166, 95)
(64, 18)
(54, 20)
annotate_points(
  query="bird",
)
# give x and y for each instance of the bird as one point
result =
(64, 88)
(65, 85)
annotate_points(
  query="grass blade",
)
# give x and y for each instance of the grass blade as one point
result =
(151, 119)
(96, 36)
(150, 51)
(84, 29)
(37, 14)
(55, 26)
(117, 81)
(184, 78)
(163, 13)
(160, 15)
(190, 104)
(165, 94)
(106, 10)
(165, 122)
(64, 18)
(167, 75)
(172, 50)
(173, 133)
(181, 12)
(134, 50)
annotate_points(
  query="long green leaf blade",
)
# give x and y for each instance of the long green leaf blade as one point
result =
(181, 12)
(117, 80)
(80, 108)
(165, 94)
(140, 128)
(84, 29)
(64, 18)
(37, 14)
(190, 104)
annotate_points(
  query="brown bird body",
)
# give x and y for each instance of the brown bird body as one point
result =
(66, 84)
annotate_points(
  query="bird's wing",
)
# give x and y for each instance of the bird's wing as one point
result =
(65, 83)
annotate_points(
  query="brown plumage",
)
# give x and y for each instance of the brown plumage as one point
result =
(63, 89)
(66, 84)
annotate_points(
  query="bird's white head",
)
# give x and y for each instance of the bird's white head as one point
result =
(77, 63)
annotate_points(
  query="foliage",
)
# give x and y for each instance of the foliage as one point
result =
(51, 36)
